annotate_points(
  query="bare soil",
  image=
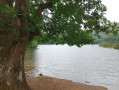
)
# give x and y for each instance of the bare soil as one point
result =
(49, 83)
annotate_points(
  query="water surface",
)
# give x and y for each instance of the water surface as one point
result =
(94, 64)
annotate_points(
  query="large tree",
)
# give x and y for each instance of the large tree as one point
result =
(60, 21)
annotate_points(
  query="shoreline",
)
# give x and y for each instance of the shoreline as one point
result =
(107, 45)
(50, 83)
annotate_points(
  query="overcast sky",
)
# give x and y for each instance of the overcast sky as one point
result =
(112, 13)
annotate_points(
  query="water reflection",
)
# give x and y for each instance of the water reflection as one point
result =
(97, 65)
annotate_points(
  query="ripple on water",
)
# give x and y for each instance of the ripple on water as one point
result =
(97, 65)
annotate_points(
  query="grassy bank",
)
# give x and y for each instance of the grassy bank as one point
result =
(109, 45)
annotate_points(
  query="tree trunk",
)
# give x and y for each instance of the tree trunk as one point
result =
(13, 45)
(14, 40)
(12, 76)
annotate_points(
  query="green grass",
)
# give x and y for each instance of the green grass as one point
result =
(109, 45)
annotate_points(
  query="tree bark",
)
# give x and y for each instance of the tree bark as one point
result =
(14, 40)
(12, 76)
(13, 45)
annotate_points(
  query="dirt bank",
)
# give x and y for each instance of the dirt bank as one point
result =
(49, 83)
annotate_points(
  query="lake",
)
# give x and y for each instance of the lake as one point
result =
(90, 63)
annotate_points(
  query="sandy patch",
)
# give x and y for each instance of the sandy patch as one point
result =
(49, 83)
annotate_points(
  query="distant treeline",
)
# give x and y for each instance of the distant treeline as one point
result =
(110, 41)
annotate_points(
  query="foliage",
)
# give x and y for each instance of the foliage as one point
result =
(34, 43)
(4, 8)
(109, 45)
(110, 40)
(62, 21)
(68, 22)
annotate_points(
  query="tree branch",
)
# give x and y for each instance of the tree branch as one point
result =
(42, 7)
(36, 32)
(39, 12)
(21, 6)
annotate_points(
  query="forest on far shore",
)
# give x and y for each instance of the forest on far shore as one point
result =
(109, 41)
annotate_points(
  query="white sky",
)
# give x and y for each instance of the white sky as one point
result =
(112, 13)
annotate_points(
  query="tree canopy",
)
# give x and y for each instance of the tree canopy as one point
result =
(60, 21)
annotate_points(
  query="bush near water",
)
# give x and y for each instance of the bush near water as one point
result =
(109, 41)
